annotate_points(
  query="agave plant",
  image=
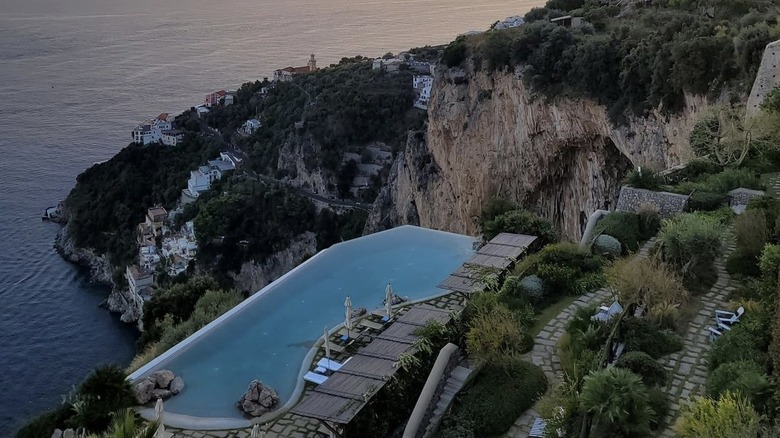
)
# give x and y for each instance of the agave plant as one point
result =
(618, 401)
(125, 424)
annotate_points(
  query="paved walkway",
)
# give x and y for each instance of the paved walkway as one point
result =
(688, 368)
(772, 182)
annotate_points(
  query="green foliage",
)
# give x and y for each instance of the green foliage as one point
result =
(607, 246)
(706, 201)
(533, 287)
(772, 101)
(102, 393)
(644, 178)
(658, 401)
(44, 425)
(564, 268)
(126, 424)
(691, 243)
(111, 198)
(623, 226)
(500, 393)
(746, 378)
(770, 207)
(731, 416)
(642, 364)
(455, 53)
(639, 334)
(496, 50)
(496, 334)
(494, 208)
(649, 221)
(737, 344)
(770, 262)
(618, 400)
(520, 222)
(695, 169)
(643, 282)
(751, 235)
(722, 182)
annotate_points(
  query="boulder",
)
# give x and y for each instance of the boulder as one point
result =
(164, 394)
(69, 433)
(258, 399)
(143, 390)
(177, 385)
(163, 378)
(56, 434)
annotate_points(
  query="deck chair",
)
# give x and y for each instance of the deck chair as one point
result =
(714, 333)
(330, 364)
(729, 317)
(314, 378)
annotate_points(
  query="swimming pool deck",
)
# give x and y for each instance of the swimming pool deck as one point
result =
(290, 425)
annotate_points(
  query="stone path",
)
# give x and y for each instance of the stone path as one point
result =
(688, 368)
(772, 182)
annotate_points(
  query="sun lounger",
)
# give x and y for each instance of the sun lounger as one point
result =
(537, 429)
(314, 378)
(330, 364)
(726, 317)
(320, 370)
(370, 324)
(714, 333)
(723, 327)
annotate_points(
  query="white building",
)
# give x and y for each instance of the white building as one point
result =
(202, 111)
(148, 259)
(250, 126)
(510, 22)
(422, 85)
(172, 137)
(180, 249)
(151, 131)
(378, 64)
(139, 282)
(201, 178)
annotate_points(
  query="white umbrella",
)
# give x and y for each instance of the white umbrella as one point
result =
(389, 301)
(327, 344)
(255, 431)
(348, 314)
(158, 416)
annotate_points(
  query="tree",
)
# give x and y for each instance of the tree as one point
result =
(731, 416)
(125, 424)
(520, 222)
(618, 400)
(104, 391)
(726, 137)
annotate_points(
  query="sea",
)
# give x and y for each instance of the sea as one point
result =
(77, 75)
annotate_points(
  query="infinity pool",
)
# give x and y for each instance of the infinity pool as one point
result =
(268, 336)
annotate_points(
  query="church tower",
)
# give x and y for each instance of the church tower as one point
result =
(312, 63)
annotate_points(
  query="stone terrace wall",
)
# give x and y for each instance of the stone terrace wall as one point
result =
(742, 196)
(669, 204)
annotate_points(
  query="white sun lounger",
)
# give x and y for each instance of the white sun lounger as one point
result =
(729, 317)
(314, 378)
(330, 364)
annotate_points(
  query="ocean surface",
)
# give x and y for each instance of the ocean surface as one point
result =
(77, 75)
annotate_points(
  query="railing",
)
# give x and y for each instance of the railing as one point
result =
(431, 392)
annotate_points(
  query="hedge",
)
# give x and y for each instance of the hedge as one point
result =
(641, 363)
(623, 226)
(642, 335)
(500, 393)
(745, 377)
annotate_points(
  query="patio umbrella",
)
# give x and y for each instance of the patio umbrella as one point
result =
(348, 314)
(389, 301)
(158, 416)
(327, 345)
(255, 431)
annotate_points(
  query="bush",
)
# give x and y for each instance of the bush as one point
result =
(743, 263)
(618, 400)
(751, 232)
(691, 243)
(44, 425)
(500, 393)
(644, 178)
(623, 226)
(770, 207)
(607, 246)
(659, 403)
(105, 391)
(455, 52)
(770, 262)
(737, 344)
(706, 201)
(649, 220)
(641, 335)
(520, 222)
(495, 335)
(533, 287)
(564, 268)
(651, 372)
(694, 170)
(641, 281)
(731, 416)
(746, 378)
(722, 182)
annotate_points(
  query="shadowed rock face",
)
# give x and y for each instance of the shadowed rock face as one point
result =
(489, 136)
(258, 399)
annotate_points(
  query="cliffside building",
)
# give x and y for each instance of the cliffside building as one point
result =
(202, 177)
(172, 137)
(422, 85)
(287, 73)
(139, 282)
(151, 131)
(155, 219)
(212, 99)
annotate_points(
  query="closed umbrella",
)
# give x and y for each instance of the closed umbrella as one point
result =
(255, 431)
(158, 416)
(389, 301)
(348, 314)
(327, 346)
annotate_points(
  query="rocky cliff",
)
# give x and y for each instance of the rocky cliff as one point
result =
(99, 267)
(489, 136)
(254, 276)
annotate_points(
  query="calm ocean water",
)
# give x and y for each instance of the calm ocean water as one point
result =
(76, 75)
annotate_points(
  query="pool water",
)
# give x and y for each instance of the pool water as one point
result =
(270, 336)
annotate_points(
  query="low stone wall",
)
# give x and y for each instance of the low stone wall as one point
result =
(668, 204)
(742, 196)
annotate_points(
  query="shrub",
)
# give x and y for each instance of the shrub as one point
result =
(706, 201)
(495, 207)
(564, 268)
(495, 335)
(623, 226)
(751, 232)
(746, 378)
(455, 52)
(743, 263)
(722, 182)
(691, 243)
(644, 178)
(641, 281)
(693, 170)
(607, 246)
(105, 391)
(44, 425)
(651, 372)
(533, 287)
(770, 207)
(649, 220)
(737, 344)
(659, 403)
(500, 393)
(770, 262)
(520, 222)
(641, 335)
(618, 400)
(731, 416)
(557, 277)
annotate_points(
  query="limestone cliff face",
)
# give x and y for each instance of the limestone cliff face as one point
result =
(299, 158)
(255, 276)
(99, 267)
(489, 136)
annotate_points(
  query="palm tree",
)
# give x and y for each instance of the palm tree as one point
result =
(125, 424)
(618, 401)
